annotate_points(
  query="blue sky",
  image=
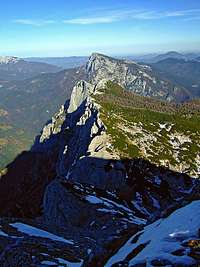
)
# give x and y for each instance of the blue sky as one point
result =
(64, 28)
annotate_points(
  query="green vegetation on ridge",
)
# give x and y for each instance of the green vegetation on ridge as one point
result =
(163, 133)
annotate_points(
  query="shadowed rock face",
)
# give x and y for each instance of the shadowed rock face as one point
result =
(23, 186)
(73, 183)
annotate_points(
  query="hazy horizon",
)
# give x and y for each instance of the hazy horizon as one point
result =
(109, 54)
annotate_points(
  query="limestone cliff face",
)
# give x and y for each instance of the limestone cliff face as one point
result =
(83, 147)
(79, 129)
(138, 78)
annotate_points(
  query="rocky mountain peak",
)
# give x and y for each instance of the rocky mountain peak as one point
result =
(80, 93)
(95, 56)
(97, 61)
(9, 60)
(140, 79)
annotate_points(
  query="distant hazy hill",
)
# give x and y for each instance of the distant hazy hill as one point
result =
(167, 55)
(13, 68)
(153, 58)
(183, 72)
(63, 62)
(192, 56)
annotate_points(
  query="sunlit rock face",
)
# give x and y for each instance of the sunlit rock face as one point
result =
(140, 79)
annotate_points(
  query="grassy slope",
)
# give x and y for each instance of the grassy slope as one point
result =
(124, 113)
(12, 142)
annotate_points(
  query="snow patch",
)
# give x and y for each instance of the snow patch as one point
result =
(163, 237)
(69, 264)
(3, 234)
(49, 263)
(33, 231)
(94, 200)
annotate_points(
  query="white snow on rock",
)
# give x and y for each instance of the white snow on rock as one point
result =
(9, 60)
(48, 263)
(114, 208)
(94, 200)
(3, 234)
(162, 125)
(33, 231)
(163, 237)
(69, 264)
(63, 262)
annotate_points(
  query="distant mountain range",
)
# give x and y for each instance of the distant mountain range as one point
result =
(153, 58)
(77, 61)
(13, 68)
(171, 54)
(62, 62)
(183, 72)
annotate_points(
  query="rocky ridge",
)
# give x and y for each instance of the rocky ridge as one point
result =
(163, 133)
(83, 191)
(140, 79)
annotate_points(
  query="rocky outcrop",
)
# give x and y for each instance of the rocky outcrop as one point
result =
(138, 78)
